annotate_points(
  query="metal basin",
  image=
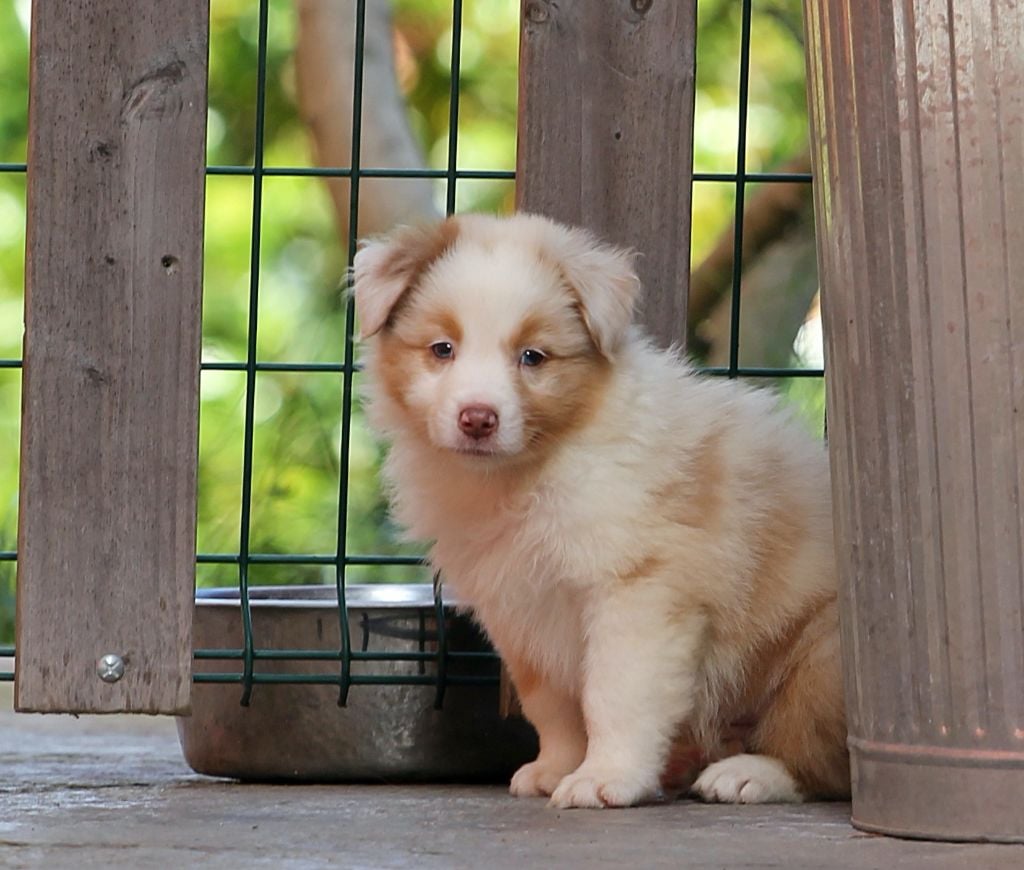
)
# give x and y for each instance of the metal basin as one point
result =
(391, 732)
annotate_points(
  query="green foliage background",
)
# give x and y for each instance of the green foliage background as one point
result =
(301, 316)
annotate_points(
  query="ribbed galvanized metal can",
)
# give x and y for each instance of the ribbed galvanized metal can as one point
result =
(918, 126)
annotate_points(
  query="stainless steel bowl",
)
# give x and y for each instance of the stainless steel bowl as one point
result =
(298, 732)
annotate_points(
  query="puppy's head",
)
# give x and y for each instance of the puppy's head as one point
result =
(491, 337)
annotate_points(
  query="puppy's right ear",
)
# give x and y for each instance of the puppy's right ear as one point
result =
(376, 285)
(384, 270)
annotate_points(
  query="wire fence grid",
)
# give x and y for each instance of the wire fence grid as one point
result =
(248, 675)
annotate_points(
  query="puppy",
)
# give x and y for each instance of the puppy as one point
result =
(650, 551)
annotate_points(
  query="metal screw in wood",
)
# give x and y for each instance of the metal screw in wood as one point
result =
(110, 668)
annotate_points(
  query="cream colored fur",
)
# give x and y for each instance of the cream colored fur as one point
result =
(661, 567)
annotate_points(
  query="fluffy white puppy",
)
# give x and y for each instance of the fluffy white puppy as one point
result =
(649, 550)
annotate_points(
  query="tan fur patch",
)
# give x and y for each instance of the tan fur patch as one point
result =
(562, 393)
(396, 369)
(415, 249)
(403, 356)
(776, 542)
(697, 500)
(813, 748)
(449, 326)
(644, 569)
(576, 389)
(772, 658)
(529, 333)
(524, 676)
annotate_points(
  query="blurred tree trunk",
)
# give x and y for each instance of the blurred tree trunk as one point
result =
(325, 76)
(779, 287)
(780, 273)
(780, 278)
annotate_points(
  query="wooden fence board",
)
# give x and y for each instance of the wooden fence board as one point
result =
(606, 133)
(106, 548)
(605, 139)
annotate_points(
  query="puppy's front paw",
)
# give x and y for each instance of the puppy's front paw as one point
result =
(748, 779)
(537, 778)
(594, 785)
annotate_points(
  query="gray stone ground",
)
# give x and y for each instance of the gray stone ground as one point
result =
(113, 791)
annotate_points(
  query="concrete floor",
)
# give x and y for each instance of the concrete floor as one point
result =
(113, 791)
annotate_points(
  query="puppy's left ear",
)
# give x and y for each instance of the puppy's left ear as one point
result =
(605, 282)
(384, 270)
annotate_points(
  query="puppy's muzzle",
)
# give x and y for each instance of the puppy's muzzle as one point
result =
(478, 421)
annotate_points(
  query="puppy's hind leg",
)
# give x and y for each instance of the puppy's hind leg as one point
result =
(748, 779)
(801, 736)
(639, 686)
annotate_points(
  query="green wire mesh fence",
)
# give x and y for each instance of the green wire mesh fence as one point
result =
(246, 673)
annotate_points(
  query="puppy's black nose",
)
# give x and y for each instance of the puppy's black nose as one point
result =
(478, 421)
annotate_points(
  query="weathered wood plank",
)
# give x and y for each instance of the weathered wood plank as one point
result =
(918, 123)
(605, 140)
(110, 403)
(606, 133)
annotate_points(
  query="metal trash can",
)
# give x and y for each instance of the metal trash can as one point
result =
(918, 124)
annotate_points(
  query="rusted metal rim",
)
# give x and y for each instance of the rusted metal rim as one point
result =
(947, 756)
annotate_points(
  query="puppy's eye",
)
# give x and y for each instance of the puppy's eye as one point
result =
(442, 349)
(532, 357)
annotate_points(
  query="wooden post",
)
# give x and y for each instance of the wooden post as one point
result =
(606, 133)
(106, 545)
(918, 127)
(605, 140)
